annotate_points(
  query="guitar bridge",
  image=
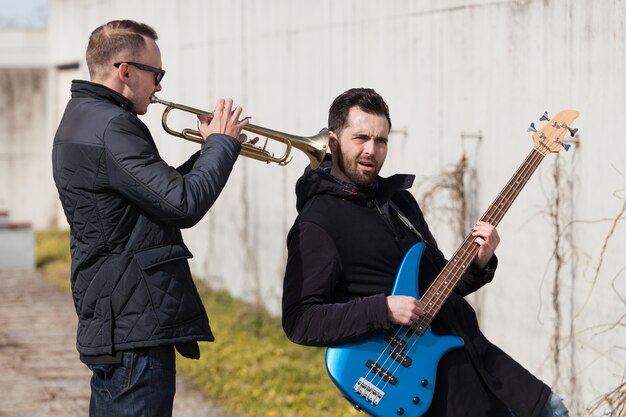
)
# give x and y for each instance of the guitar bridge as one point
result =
(367, 390)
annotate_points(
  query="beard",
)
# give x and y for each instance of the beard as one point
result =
(350, 168)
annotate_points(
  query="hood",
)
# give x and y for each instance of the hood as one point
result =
(319, 182)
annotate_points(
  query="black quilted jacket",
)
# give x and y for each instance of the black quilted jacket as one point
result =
(131, 282)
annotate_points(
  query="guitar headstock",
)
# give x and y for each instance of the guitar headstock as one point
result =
(550, 138)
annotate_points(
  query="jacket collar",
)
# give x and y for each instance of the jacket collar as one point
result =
(391, 185)
(319, 181)
(88, 89)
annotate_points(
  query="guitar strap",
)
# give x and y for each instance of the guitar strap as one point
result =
(406, 222)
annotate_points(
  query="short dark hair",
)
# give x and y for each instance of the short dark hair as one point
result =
(108, 40)
(365, 99)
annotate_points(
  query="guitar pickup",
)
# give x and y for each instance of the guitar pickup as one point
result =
(395, 341)
(368, 390)
(397, 352)
(381, 372)
(401, 357)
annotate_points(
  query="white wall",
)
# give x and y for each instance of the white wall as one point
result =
(23, 124)
(23, 47)
(23, 150)
(446, 68)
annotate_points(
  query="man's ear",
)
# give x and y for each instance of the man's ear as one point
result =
(332, 141)
(123, 73)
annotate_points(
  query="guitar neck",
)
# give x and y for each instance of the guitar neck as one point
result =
(448, 278)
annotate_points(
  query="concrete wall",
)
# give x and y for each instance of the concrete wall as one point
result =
(451, 71)
(24, 150)
(23, 47)
(23, 123)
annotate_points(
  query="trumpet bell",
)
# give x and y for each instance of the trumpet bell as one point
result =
(314, 147)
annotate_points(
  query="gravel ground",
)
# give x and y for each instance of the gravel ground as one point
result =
(40, 374)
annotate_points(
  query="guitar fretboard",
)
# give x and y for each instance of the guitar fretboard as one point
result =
(447, 279)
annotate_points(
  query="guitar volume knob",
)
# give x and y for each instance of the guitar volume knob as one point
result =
(424, 382)
(400, 411)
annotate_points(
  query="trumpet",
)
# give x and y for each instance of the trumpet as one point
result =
(314, 147)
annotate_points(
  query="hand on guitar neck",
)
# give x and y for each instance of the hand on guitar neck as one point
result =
(488, 239)
(403, 309)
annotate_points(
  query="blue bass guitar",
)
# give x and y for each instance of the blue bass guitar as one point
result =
(393, 374)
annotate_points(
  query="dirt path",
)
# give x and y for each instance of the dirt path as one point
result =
(40, 374)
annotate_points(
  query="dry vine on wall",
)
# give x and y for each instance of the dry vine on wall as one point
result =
(445, 194)
(612, 403)
(448, 197)
(566, 272)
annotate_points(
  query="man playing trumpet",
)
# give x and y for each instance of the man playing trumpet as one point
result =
(131, 284)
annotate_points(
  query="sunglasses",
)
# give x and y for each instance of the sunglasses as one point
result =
(158, 72)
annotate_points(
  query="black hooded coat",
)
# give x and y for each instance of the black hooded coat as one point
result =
(343, 253)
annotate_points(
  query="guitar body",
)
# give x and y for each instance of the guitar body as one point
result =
(386, 376)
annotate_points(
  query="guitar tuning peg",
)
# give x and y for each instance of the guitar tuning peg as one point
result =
(565, 146)
(544, 117)
(531, 128)
(571, 131)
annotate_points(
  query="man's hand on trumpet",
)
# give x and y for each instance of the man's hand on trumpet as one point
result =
(225, 121)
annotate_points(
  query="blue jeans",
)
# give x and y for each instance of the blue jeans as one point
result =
(554, 408)
(144, 384)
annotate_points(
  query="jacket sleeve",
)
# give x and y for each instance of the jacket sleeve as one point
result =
(475, 277)
(188, 164)
(136, 170)
(309, 315)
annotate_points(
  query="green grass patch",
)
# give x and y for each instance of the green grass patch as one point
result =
(251, 369)
(52, 257)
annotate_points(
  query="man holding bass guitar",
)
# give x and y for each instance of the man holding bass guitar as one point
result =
(352, 232)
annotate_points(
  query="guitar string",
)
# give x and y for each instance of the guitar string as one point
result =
(382, 366)
(465, 251)
(461, 253)
(508, 194)
(494, 213)
(387, 358)
(513, 188)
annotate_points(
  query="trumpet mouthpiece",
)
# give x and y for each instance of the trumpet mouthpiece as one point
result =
(155, 100)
